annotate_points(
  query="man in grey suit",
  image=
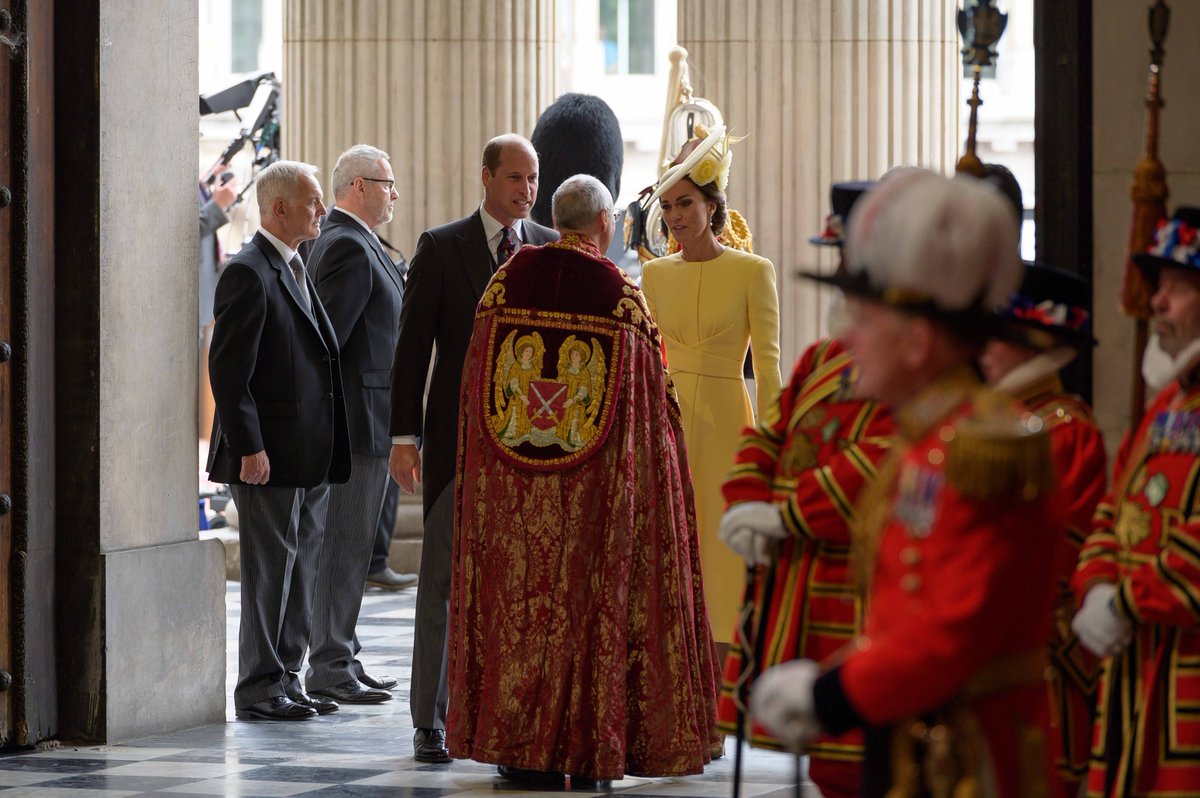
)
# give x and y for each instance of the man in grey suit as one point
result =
(279, 438)
(361, 290)
(450, 269)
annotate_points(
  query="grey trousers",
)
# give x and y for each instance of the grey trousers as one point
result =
(429, 692)
(280, 536)
(341, 572)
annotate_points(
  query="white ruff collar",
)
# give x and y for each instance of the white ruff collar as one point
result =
(1034, 370)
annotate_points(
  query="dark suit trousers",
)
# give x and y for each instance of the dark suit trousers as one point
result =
(386, 528)
(345, 557)
(280, 534)
(429, 692)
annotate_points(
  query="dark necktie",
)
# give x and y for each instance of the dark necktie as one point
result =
(297, 267)
(507, 246)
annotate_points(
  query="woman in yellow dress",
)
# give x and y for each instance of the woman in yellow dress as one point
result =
(710, 301)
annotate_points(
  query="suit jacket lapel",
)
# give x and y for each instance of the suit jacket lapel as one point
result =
(288, 281)
(473, 250)
(372, 244)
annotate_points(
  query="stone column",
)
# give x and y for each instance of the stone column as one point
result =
(430, 81)
(140, 600)
(828, 90)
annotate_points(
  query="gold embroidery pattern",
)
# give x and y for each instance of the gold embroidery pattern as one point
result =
(494, 295)
(567, 415)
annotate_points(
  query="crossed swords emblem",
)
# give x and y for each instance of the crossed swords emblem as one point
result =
(545, 403)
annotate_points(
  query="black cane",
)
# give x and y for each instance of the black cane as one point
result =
(750, 636)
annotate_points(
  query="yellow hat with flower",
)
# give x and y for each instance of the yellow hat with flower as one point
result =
(708, 162)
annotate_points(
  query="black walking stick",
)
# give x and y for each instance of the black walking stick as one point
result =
(750, 638)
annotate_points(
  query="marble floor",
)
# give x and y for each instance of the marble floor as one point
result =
(357, 751)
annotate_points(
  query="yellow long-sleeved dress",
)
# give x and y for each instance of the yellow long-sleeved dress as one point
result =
(707, 313)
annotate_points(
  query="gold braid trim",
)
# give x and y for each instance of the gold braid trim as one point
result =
(993, 458)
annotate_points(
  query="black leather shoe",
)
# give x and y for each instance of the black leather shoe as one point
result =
(585, 784)
(380, 682)
(532, 778)
(429, 745)
(322, 705)
(279, 707)
(352, 691)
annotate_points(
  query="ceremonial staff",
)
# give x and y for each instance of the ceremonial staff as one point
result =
(981, 25)
(1149, 194)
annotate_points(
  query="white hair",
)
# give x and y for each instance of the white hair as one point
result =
(953, 241)
(358, 161)
(578, 201)
(279, 181)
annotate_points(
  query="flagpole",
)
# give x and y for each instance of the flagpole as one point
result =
(1149, 193)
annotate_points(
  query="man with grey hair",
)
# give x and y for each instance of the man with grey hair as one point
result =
(279, 437)
(575, 528)
(361, 291)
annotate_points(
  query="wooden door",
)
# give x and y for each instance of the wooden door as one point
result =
(9, 248)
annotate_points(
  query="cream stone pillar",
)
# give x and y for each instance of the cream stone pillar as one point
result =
(828, 90)
(430, 81)
(1121, 57)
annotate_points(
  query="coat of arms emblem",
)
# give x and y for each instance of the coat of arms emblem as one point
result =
(532, 408)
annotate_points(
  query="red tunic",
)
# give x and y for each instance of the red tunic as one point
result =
(811, 456)
(1080, 463)
(965, 542)
(579, 640)
(1146, 539)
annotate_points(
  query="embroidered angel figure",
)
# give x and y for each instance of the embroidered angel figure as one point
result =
(517, 364)
(583, 371)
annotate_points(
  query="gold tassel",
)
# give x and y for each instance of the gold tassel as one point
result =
(737, 232)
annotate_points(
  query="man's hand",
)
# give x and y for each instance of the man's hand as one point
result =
(781, 701)
(751, 529)
(404, 463)
(225, 195)
(1102, 630)
(256, 469)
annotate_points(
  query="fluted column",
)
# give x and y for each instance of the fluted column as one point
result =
(829, 90)
(430, 81)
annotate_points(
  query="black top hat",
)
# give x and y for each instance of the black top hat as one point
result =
(1051, 300)
(842, 197)
(1176, 243)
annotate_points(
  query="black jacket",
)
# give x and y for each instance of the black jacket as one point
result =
(361, 291)
(274, 373)
(449, 272)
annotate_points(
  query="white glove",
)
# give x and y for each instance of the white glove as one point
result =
(781, 701)
(751, 530)
(1102, 630)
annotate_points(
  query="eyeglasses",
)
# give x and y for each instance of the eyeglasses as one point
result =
(388, 184)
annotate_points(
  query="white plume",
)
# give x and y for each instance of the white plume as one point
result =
(952, 240)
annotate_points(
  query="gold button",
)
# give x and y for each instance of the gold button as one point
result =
(910, 555)
(936, 457)
(910, 583)
(946, 433)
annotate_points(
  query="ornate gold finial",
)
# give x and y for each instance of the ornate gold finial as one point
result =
(981, 25)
